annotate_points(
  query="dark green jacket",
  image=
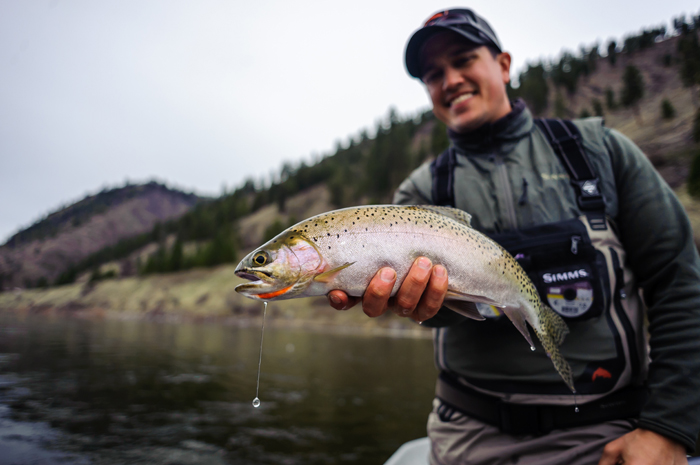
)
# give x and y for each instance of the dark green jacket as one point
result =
(509, 177)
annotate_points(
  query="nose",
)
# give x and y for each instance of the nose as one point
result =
(453, 78)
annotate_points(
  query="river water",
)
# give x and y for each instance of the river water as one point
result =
(111, 392)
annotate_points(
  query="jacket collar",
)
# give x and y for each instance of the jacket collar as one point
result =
(513, 126)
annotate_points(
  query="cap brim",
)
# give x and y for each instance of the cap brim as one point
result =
(415, 44)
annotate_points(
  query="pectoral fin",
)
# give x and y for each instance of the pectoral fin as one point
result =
(327, 276)
(464, 308)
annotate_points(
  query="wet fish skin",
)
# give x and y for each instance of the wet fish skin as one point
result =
(343, 249)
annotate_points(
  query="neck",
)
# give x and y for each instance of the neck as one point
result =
(487, 133)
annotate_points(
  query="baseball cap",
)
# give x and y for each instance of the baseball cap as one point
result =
(463, 21)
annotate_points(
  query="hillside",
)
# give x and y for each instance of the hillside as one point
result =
(43, 251)
(661, 139)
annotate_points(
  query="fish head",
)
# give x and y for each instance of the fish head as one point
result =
(280, 269)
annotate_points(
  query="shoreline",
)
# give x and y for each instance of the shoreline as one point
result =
(389, 327)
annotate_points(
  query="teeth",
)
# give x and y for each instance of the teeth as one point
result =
(462, 98)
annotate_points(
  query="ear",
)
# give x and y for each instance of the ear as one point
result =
(504, 64)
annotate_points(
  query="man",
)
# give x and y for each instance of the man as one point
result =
(497, 403)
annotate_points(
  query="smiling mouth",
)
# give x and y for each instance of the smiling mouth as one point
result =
(462, 98)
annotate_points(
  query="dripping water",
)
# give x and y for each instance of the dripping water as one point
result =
(532, 348)
(575, 403)
(256, 401)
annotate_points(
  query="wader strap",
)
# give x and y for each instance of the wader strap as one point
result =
(565, 139)
(442, 170)
(517, 419)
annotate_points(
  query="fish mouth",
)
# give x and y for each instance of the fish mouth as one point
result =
(253, 275)
(262, 286)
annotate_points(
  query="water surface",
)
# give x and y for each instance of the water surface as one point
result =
(106, 392)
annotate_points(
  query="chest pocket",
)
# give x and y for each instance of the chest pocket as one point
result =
(569, 273)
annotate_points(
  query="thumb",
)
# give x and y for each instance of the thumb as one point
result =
(612, 453)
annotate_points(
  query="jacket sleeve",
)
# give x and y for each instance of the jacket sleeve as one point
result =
(416, 190)
(661, 252)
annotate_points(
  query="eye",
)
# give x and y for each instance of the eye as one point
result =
(261, 258)
(431, 76)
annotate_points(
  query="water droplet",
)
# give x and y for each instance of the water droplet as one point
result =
(256, 401)
(576, 409)
(532, 348)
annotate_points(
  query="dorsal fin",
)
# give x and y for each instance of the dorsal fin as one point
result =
(454, 213)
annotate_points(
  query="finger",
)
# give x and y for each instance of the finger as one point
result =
(374, 302)
(434, 295)
(413, 286)
(611, 453)
(339, 300)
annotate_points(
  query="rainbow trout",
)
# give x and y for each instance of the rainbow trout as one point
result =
(344, 249)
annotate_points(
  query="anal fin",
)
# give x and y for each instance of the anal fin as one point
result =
(464, 308)
(453, 294)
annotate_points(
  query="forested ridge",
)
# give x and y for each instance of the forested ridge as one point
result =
(368, 168)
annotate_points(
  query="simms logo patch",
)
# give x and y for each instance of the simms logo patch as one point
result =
(564, 276)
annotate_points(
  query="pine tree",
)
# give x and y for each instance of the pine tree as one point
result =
(612, 52)
(597, 107)
(667, 110)
(533, 88)
(610, 99)
(176, 256)
(438, 138)
(632, 89)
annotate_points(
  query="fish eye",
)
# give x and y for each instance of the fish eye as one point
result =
(261, 258)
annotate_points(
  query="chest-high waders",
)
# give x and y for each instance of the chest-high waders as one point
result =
(578, 268)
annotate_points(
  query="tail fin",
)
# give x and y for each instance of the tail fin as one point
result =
(554, 330)
(554, 323)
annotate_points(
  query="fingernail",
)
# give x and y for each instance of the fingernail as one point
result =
(334, 300)
(440, 271)
(387, 275)
(424, 263)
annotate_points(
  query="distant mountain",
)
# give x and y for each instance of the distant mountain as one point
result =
(38, 254)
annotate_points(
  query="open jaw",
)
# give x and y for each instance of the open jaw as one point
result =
(262, 286)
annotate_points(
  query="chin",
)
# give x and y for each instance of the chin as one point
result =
(466, 126)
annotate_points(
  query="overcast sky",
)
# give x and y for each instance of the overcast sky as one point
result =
(201, 94)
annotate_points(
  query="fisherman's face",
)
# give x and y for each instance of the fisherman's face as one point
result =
(467, 85)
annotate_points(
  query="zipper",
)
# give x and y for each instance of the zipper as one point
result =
(574, 244)
(510, 206)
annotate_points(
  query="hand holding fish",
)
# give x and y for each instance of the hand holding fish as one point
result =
(343, 249)
(420, 296)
